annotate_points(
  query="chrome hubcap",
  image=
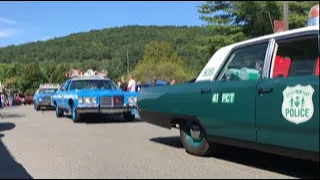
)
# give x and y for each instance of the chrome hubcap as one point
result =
(195, 132)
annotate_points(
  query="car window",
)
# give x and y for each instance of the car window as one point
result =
(296, 57)
(61, 86)
(92, 84)
(65, 86)
(245, 63)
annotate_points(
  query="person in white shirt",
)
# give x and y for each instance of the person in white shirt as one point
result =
(131, 85)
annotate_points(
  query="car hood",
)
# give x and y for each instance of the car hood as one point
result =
(88, 92)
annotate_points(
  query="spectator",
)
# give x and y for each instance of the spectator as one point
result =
(10, 98)
(131, 84)
(1, 101)
(119, 84)
(153, 82)
(172, 82)
(123, 85)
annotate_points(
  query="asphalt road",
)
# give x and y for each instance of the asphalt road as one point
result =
(39, 145)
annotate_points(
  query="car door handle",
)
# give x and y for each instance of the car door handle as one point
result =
(264, 90)
(204, 91)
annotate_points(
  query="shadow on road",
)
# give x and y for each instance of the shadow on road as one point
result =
(173, 141)
(107, 120)
(9, 168)
(270, 162)
(8, 115)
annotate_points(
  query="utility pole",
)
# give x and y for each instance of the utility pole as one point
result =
(286, 15)
(128, 62)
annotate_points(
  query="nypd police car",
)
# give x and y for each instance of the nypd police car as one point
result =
(93, 95)
(42, 97)
(261, 94)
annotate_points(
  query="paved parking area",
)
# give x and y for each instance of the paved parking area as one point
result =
(39, 145)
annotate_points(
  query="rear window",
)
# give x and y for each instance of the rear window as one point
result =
(297, 57)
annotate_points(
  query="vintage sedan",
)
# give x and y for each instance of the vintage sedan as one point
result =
(42, 97)
(261, 93)
(93, 95)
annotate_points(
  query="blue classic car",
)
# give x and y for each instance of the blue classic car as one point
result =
(82, 96)
(42, 97)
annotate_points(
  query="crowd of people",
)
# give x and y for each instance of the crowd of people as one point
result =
(132, 86)
(7, 98)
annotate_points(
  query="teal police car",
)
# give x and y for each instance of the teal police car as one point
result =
(93, 95)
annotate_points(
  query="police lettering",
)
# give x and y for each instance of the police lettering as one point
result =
(297, 112)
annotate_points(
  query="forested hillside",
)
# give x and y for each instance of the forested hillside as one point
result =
(111, 45)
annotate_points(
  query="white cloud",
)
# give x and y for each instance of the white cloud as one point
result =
(7, 21)
(8, 32)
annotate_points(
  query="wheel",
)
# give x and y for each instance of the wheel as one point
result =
(129, 117)
(194, 140)
(59, 112)
(75, 114)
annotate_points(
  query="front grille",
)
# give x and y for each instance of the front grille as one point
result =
(105, 101)
(110, 101)
(46, 99)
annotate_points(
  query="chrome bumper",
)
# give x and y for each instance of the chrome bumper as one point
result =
(97, 110)
(45, 104)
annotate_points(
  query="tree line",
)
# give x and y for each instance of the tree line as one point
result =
(162, 52)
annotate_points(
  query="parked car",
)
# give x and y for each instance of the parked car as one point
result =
(95, 95)
(261, 93)
(148, 84)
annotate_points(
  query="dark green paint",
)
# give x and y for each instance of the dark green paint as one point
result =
(250, 117)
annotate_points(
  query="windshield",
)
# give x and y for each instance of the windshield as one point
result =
(92, 84)
(48, 90)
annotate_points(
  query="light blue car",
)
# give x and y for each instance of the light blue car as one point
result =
(42, 97)
(83, 96)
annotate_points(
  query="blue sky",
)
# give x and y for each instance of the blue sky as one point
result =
(22, 22)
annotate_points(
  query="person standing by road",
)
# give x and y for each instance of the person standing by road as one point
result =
(153, 82)
(1, 101)
(123, 85)
(132, 84)
(172, 82)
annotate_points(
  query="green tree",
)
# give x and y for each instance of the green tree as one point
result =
(59, 73)
(161, 62)
(108, 47)
(31, 77)
(253, 16)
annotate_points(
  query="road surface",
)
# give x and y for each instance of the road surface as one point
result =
(39, 145)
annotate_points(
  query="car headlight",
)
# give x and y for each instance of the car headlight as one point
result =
(40, 99)
(90, 100)
(80, 100)
(87, 100)
(132, 100)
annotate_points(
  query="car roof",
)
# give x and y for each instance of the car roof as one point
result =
(275, 35)
(217, 59)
